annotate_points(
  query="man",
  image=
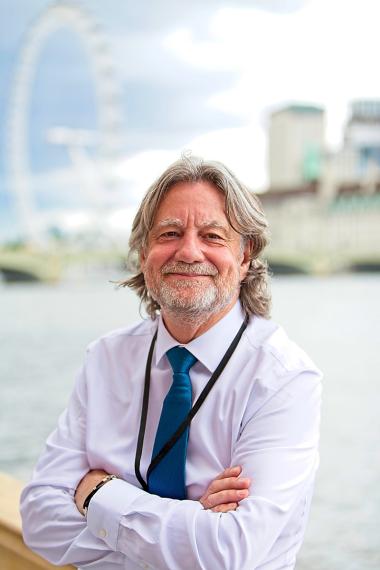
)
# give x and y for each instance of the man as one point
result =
(232, 490)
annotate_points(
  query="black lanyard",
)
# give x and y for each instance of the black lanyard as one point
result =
(186, 422)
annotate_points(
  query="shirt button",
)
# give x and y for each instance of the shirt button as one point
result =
(102, 533)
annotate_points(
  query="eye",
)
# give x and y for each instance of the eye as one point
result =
(169, 234)
(213, 237)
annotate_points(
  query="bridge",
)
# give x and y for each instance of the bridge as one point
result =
(46, 266)
(28, 265)
(321, 264)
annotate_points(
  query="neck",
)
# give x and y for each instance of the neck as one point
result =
(185, 328)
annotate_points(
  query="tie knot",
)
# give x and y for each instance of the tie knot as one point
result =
(181, 360)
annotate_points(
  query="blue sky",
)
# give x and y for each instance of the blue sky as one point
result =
(202, 75)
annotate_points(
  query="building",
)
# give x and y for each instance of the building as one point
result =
(362, 136)
(323, 207)
(355, 168)
(296, 146)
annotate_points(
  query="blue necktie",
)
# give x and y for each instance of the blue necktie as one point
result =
(168, 478)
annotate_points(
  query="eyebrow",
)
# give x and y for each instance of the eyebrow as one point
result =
(169, 222)
(178, 223)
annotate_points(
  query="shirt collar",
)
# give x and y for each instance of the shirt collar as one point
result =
(219, 337)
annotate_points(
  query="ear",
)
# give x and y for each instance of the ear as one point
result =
(245, 260)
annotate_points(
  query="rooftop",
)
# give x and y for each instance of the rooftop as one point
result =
(300, 109)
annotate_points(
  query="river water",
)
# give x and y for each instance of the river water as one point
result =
(45, 329)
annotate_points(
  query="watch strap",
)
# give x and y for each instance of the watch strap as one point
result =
(95, 489)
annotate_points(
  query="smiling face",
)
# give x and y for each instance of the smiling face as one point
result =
(194, 261)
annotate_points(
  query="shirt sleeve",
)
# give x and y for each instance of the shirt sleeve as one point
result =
(277, 448)
(52, 524)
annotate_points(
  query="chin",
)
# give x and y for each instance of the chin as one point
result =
(185, 301)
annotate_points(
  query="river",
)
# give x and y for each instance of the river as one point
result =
(45, 329)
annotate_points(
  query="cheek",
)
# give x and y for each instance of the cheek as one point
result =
(227, 264)
(156, 258)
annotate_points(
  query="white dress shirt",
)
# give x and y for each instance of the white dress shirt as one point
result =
(262, 414)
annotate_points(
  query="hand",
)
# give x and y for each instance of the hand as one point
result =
(89, 481)
(226, 491)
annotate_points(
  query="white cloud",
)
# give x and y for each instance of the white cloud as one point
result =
(241, 149)
(139, 171)
(325, 53)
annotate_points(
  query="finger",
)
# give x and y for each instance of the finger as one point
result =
(229, 483)
(225, 508)
(229, 472)
(224, 497)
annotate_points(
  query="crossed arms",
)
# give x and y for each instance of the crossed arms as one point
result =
(127, 525)
(222, 495)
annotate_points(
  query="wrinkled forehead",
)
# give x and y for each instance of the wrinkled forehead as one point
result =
(200, 201)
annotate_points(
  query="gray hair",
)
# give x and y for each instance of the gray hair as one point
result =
(243, 211)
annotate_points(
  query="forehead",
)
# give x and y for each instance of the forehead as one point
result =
(200, 201)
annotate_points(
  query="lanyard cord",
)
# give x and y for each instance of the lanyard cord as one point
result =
(186, 422)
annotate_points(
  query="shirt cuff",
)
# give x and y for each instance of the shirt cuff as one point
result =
(106, 508)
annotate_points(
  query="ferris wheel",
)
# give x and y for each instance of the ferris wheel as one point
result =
(107, 95)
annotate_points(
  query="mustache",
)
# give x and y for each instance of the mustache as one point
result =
(189, 268)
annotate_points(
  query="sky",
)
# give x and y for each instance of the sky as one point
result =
(204, 77)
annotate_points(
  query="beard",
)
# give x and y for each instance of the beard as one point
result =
(191, 299)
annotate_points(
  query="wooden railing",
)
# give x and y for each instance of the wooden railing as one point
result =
(14, 555)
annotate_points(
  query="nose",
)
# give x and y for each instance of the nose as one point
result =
(189, 249)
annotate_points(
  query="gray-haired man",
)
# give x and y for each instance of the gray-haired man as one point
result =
(206, 412)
